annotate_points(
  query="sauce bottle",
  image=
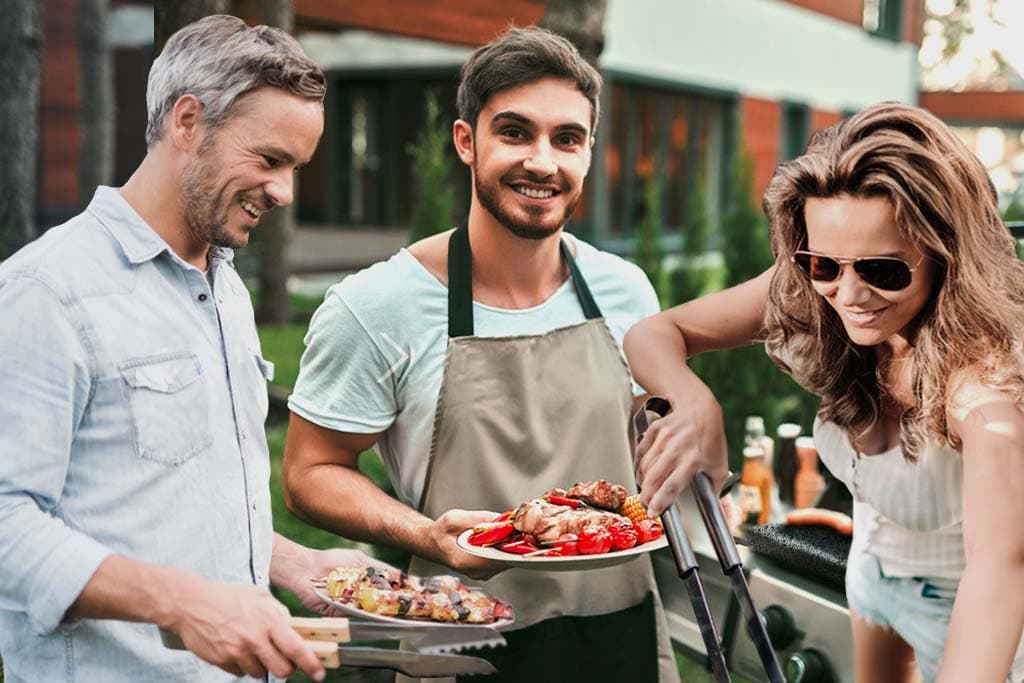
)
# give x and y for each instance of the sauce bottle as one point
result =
(785, 464)
(755, 487)
(808, 483)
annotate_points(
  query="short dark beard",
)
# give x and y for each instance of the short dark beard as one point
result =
(206, 212)
(489, 196)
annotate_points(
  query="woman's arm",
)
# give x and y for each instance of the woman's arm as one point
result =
(988, 614)
(691, 438)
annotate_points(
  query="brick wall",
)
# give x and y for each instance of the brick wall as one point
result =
(59, 131)
(467, 22)
(823, 118)
(850, 11)
(762, 129)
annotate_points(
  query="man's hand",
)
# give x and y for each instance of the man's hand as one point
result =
(446, 529)
(241, 629)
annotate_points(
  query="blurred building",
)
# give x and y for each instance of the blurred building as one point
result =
(130, 31)
(690, 88)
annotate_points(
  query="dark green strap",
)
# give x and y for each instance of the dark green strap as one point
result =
(590, 309)
(460, 284)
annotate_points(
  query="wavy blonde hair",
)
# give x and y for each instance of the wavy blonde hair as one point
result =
(944, 204)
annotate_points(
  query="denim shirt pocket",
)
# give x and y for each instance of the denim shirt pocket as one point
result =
(169, 406)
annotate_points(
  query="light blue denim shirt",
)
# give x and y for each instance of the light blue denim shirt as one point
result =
(132, 401)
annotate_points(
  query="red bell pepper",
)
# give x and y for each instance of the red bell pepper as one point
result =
(490, 533)
(518, 547)
(562, 500)
(564, 548)
(504, 516)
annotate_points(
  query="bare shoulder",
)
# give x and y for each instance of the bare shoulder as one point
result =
(432, 253)
(975, 404)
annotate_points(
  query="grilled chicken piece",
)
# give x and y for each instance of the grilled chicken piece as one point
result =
(548, 522)
(599, 494)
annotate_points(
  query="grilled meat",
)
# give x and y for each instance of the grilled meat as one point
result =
(549, 522)
(599, 494)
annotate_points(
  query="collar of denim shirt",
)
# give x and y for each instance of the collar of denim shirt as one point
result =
(138, 241)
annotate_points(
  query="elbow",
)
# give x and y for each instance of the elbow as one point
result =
(638, 335)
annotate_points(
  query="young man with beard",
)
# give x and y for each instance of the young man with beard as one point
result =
(134, 478)
(484, 363)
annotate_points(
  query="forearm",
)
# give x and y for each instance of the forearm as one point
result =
(657, 356)
(129, 590)
(344, 501)
(988, 602)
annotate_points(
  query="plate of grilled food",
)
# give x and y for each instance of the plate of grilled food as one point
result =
(587, 526)
(389, 595)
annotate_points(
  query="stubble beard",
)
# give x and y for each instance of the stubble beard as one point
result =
(529, 228)
(206, 211)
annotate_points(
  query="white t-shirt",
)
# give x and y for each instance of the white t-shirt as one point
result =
(375, 349)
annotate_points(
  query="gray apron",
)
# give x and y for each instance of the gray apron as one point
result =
(517, 416)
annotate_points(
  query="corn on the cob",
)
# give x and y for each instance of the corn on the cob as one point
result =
(634, 509)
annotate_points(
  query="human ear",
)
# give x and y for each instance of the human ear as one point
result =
(462, 136)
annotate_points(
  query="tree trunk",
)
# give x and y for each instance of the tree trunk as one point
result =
(96, 161)
(21, 44)
(277, 227)
(170, 15)
(581, 21)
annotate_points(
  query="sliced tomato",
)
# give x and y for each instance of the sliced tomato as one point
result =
(564, 548)
(624, 537)
(647, 530)
(594, 540)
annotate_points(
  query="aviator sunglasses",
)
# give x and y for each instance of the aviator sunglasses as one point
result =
(883, 272)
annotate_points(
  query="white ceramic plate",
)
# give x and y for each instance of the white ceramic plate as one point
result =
(357, 613)
(557, 564)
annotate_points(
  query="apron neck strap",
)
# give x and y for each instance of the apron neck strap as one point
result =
(460, 284)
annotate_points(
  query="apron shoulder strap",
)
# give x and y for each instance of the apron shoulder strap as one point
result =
(460, 284)
(590, 309)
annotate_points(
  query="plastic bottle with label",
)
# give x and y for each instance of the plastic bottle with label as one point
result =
(808, 483)
(755, 487)
(755, 436)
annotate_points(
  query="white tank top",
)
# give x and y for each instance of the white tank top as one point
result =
(908, 515)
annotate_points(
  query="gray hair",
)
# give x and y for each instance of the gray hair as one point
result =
(219, 59)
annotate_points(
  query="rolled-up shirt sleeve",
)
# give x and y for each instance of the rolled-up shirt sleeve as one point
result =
(45, 384)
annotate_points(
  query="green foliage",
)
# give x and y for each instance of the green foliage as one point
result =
(746, 247)
(435, 196)
(744, 380)
(648, 253)
(693, 278)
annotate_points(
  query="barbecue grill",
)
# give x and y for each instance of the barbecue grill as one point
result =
(795, 574)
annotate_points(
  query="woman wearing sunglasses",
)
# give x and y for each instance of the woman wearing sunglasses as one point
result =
(896, 295)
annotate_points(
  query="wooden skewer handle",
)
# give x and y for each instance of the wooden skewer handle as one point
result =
(326, 629)
(326, 652)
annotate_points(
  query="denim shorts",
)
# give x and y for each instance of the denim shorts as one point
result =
(916, 608)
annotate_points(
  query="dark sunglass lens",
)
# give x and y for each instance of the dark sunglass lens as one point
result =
(884, 273)
(820, 268)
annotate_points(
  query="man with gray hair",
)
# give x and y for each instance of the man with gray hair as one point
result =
(134, 471)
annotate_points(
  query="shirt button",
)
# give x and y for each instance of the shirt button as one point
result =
(202, 297)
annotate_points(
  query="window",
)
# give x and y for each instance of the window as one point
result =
(884, 18)
(362, 173)
(675, 136)
(796, 129)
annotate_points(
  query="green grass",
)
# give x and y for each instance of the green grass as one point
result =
(282, 345)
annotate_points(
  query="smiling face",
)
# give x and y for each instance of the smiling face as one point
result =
(530, 152)
(245, 167)
(850, 227)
